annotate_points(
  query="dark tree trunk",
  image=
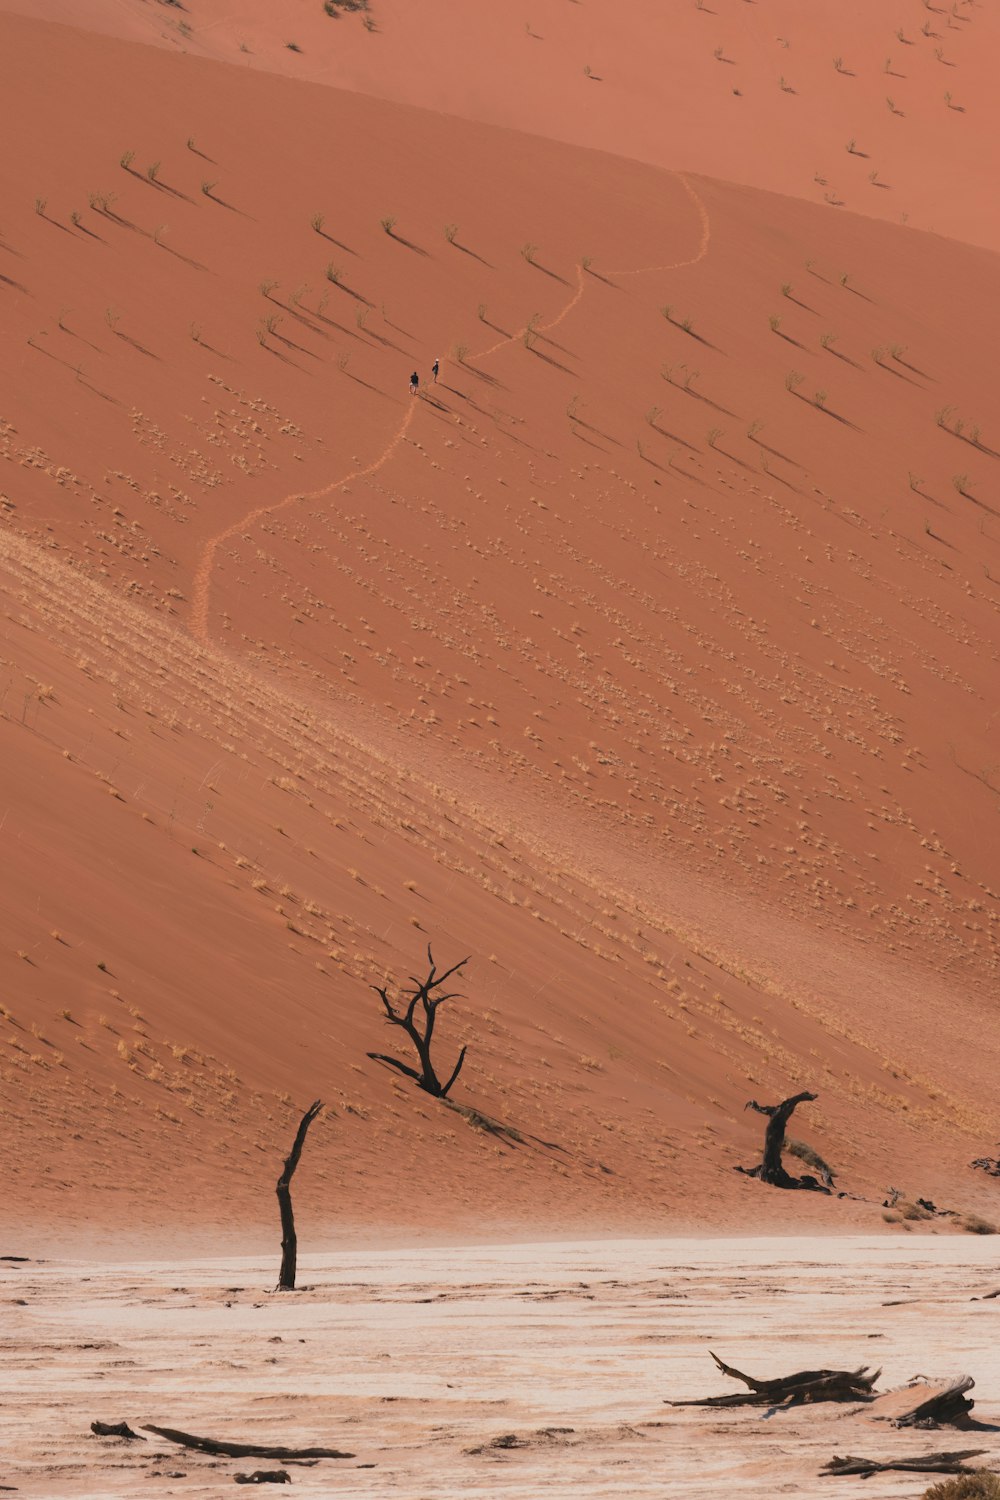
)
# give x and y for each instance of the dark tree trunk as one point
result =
(774, 1139)
(289, 1240)
(771, 1170)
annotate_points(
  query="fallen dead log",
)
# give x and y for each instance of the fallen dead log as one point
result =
(116, 1429)
(925, 1403)
(801, 1387)
(264, 1476)
(927, 1463)
(240, 1450)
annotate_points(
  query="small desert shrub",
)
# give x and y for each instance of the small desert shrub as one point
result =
(450, 231)
(973, 1224)
(912, 1211)
(982, 1485)
(388, 223)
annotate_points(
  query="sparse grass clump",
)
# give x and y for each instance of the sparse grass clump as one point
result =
(982, 1485)
(388, 223)
(973, 1224)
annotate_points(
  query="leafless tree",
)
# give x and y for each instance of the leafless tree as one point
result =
(289, 1240)
(415, 1008)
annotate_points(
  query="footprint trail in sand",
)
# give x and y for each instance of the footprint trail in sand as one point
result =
(202, 585)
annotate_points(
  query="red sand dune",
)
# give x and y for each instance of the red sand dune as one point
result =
(884, 107)
(649, 658)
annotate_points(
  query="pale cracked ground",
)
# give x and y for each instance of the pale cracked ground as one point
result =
(410, 1359)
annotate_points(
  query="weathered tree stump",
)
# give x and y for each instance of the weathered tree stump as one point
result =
(771, 1170)
(926, 1403)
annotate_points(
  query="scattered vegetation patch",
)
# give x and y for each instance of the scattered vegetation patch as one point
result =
(973, 1224)
(982, 1485)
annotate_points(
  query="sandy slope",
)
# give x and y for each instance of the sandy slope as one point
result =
(770, 94)
(656, 679)
(419, 1363)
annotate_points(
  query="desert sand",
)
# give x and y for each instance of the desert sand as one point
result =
(647, 659)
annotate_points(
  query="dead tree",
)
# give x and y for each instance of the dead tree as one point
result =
(416, 1006)
(771, 1170)
(928, 1463)
(240, 1450)
(289, 1239)
(803, 1387)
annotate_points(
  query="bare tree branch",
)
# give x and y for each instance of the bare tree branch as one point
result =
(421, 996)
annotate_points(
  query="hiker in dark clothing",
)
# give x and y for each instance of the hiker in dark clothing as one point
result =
(414, 383)
(435, 367)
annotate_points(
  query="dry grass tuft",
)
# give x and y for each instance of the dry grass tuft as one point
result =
(973, 1224)
(982, 1485)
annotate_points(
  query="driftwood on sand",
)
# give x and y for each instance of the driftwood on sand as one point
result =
(240, 1450)
(802, 1386)
(927, 1463)
(926, 1403)
(116, 1429)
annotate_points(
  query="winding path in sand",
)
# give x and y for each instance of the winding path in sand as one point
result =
(202, 583)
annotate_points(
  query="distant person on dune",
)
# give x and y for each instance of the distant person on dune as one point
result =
(435, 367)
(414, 383)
